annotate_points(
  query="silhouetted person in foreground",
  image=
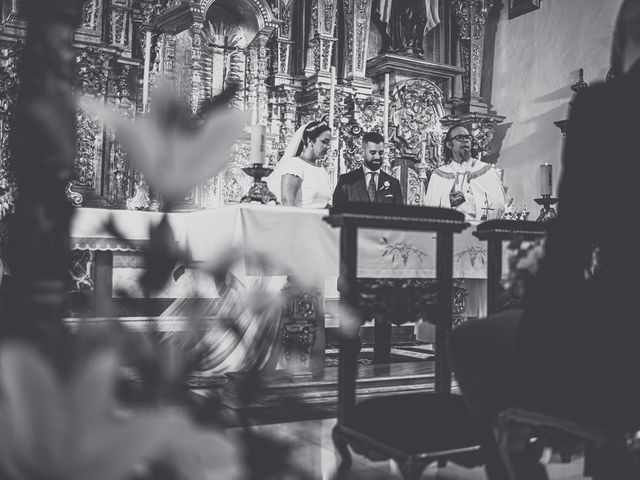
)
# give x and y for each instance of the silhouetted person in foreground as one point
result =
(574, 349)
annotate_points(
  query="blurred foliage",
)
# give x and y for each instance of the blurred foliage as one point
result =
(70, 426)
(122, 405)
(524, 259)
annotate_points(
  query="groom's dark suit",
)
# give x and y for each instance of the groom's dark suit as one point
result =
(352, 188)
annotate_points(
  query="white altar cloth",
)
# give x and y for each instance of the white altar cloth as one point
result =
(290, 240)
(295, 239)
(88, 230)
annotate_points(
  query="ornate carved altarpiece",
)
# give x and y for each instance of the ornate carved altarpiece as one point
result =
(280, 54)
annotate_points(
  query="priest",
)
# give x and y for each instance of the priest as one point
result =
(465, 183)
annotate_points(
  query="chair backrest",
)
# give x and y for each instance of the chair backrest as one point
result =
(495, 232)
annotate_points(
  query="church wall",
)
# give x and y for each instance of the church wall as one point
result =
(536, 60)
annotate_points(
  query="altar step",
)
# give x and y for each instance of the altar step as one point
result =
(373, 381)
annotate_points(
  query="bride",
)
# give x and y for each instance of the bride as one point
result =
(298, 180)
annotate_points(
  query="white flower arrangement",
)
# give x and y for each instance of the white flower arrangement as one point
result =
(512, 213)
(524, 261)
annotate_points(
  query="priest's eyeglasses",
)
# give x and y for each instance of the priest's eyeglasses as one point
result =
(462, 138)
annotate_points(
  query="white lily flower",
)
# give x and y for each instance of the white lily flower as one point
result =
(55, 429)
(172, 159)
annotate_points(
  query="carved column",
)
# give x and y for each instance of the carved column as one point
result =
(92, 72)
(356, 25)
(283, 121)
(323, 25)
(169, 56)
(471, 17)
(147, 44)
(90, 29)
(282, 43)
(256, 97)
(282, 93)
(237, 72)
(117, 170)
(261, 76)
(198, 74)
(9, 84)
(120, 25)
(251, 95)
(38, 251)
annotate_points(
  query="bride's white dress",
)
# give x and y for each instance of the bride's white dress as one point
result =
(315, 190)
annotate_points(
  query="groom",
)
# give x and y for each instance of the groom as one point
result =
(368, 183)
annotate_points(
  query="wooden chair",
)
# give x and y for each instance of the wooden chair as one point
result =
(611, 452)
(412, 429)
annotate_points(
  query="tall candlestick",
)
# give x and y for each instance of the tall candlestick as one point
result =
(546, 179)
(423, 150)
(332, 96)
(147, 67)
(258, 144)
(385, 115)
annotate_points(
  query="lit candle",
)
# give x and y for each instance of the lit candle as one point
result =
(546, 179)
(423, 150)
(385, 117)
(258, 144)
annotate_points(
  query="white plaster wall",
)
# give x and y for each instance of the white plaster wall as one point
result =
(537, 57)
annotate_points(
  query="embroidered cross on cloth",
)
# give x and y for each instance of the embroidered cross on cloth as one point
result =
(487, 208)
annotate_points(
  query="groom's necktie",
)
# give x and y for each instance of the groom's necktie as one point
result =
(372, 186)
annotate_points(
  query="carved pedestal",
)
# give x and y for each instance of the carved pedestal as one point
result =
(401, 68)
(303, 330)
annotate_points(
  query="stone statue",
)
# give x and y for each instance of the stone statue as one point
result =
(404, 23)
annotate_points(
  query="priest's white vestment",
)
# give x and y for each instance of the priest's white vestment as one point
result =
(485, 199)
(479, 182)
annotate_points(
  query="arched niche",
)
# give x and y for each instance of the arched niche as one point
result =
(205, 46)
(253, 15)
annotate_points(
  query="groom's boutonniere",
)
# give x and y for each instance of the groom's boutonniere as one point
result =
(385, 185)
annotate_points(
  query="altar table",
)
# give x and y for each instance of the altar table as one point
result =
(269, 241)
(280, 241)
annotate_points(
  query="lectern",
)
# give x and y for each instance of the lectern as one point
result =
(412, 429)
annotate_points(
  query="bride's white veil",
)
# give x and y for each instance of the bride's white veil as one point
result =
(274, 181)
